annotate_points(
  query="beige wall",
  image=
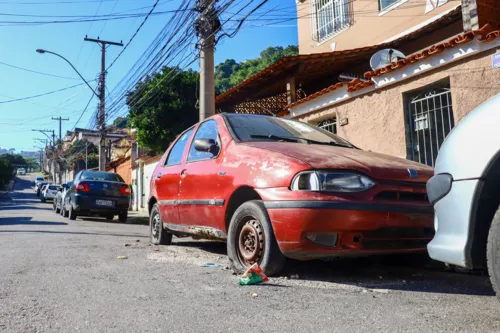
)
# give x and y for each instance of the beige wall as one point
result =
(368, 27)
(377, 120)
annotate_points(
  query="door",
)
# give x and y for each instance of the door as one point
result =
(199, 193)
(168, 178)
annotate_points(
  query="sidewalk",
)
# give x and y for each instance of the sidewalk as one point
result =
(138, 218)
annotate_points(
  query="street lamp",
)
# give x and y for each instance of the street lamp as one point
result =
(42, 51)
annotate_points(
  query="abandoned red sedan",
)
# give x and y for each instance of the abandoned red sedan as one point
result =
(276, 188)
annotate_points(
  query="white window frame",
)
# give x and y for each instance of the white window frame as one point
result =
(392, 6)
(333, 15)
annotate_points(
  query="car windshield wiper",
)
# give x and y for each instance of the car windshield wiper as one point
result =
(275, 137)
(330, 143)
(296, 139)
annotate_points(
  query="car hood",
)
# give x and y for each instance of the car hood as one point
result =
(374, 165)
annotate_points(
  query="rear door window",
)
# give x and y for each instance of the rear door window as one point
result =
(177, 151)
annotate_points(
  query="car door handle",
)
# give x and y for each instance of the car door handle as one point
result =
(184, 173)
(158, 176)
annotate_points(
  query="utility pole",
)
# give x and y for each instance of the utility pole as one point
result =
(102, 89)
(60, 119)
(206, 27)
(86, 156)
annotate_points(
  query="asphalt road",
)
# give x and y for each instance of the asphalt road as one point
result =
(58, 275)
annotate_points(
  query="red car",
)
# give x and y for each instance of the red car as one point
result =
(276, 188)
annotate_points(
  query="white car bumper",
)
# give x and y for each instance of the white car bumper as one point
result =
(451, 221)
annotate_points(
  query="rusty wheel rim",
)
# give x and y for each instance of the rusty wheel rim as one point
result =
(251, 242)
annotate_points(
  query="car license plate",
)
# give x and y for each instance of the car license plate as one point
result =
(107, 203)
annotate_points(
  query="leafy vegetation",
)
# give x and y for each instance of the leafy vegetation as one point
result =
(8, 163)
(163, 105)
(231, 73)
(120, 122)
(75, 155)
(160, 119)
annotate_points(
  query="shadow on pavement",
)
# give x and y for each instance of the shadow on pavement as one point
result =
(23, 207)
(207, 246)
(25, 221)
(416, 273)
(73, 233)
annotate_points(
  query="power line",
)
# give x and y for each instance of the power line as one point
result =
(133, 36)
(83, 112)
(41, 73)
(40, 95)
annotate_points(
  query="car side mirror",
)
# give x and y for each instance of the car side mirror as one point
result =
(206, 145)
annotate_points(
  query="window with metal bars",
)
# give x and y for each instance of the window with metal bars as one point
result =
(329, 17)
(329, 125)
(430, 119)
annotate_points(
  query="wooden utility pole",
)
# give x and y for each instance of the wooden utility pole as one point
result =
(101, 121)
(206, 27)
(60, 119)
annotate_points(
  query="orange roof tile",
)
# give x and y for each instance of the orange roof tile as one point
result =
(288, 62)
(486, 35)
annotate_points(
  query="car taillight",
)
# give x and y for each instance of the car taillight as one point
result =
(125, 190)
(82, 187)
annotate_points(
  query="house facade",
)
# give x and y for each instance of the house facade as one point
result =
(405, 107)
(336, 25)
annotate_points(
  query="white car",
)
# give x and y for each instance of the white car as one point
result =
(60, 199)
(465, 193)
(21, 171)
(49, 192)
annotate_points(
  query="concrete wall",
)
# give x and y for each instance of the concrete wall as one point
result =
(125, 171)
(377, 121)
(368, 26)
(141, 179)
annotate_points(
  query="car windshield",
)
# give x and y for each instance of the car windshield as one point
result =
(263, 128)
(39, 178)
(53, 187)
(103, 176)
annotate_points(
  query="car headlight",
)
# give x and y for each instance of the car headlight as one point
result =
(330, 181)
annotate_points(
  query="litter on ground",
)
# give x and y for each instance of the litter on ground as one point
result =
(209, 265)
(254, 275)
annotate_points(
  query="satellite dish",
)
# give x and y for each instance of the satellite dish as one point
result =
(384, 57)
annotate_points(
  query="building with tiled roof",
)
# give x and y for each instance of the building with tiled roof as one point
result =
(403, 108)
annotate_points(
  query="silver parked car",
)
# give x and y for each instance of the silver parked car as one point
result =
(465, 192)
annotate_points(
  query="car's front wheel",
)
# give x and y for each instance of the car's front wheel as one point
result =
(159, 236)
(493, 253)
(251, 240)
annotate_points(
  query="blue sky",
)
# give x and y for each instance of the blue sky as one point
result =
(19, 42)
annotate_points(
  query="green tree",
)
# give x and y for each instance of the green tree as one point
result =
(8, 163)
(230, 73)
(75, 155)
(120, 122)
(6, 171)
(163, 105)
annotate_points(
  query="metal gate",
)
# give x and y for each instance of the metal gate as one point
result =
(431, 120)
(329, 125)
